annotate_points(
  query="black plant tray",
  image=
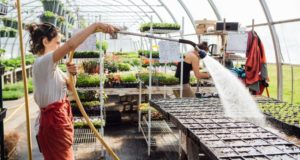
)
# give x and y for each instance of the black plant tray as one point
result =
(289, 129)
(207, 95)
(285, 127)
(220, 137)
(2, 114)
(123, 85)
(94, 111)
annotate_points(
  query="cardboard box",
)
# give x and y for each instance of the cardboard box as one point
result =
(202, 26)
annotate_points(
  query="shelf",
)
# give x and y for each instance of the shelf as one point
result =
(157, 126)
(163, 31)
(215, 33)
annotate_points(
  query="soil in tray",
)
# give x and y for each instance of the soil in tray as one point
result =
(247, 135)
(208, 137)
(193, 125)
(245, 124)
(232, 158)
(187, 121)
(256, 130)
(256, 158)
(238, 130)
(201, 121)
(276, 141)
(215, 143)
(268, 150)
(281, 157)
(220, 131)
(289, 148)
(200, 131)
(255, 142)
(243, 151)
(228, 125)
(211, 125)
(235, 143)
(228, 136)
(265, 135)
(221, 120)
(224, 152)
(297, 156)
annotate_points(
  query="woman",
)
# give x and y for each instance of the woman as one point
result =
(55, 135)
(191, 62)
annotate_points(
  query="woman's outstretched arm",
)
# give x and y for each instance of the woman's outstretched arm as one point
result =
(78, 38)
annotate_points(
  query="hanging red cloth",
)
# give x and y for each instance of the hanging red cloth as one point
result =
(56, 131)
(255, 67)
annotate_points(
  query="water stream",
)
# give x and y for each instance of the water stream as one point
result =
(236, 99)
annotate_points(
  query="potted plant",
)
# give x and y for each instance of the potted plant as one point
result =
(60, 21)
(51, 5)
(49, 17)
(9, 22)
(11, 32)
(3, 7)
(3, 32)
(60, 9)
(63, 27)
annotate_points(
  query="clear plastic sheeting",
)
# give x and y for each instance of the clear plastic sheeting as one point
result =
(132, 13)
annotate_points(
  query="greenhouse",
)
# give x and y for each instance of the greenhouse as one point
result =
(150, 79)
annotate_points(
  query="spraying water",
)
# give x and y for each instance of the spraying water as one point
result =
(236, 99)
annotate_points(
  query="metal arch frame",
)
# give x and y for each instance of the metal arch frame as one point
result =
(215, 9)
(134, 12)
(147, 14)
(159, 17)
(188, 13)
(117, 7)
(277, 48)
(25, 34)
(168, 10)
(129, 9)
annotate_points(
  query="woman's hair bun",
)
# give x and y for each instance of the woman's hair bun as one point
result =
(31, 27)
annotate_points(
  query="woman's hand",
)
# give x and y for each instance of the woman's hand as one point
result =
(106, 28)
(71, 68)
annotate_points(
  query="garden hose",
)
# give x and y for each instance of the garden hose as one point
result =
(24, 75)
(79, 104)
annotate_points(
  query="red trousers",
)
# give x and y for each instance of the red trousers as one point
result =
(56, 131)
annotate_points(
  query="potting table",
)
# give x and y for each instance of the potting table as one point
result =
(211, 135)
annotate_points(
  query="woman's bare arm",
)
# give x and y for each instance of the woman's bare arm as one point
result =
(198, 74)
(77, 39)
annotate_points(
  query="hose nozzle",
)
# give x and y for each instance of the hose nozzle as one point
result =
(202, 54)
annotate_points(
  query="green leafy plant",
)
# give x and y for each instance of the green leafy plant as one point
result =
(86, 54)
(85, 80)
(167, 26)
(7, 32)
(90, 66)
(124, 66)
(16, 91)
(128, 77)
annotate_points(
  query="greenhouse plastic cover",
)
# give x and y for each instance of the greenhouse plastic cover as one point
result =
(132, 13)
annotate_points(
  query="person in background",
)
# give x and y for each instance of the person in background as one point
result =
(55, 134)
(228, 61)
(190, 63)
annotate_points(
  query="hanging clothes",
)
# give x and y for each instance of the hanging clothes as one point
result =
(256, 65)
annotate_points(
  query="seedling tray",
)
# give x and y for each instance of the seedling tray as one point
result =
(220, 137)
